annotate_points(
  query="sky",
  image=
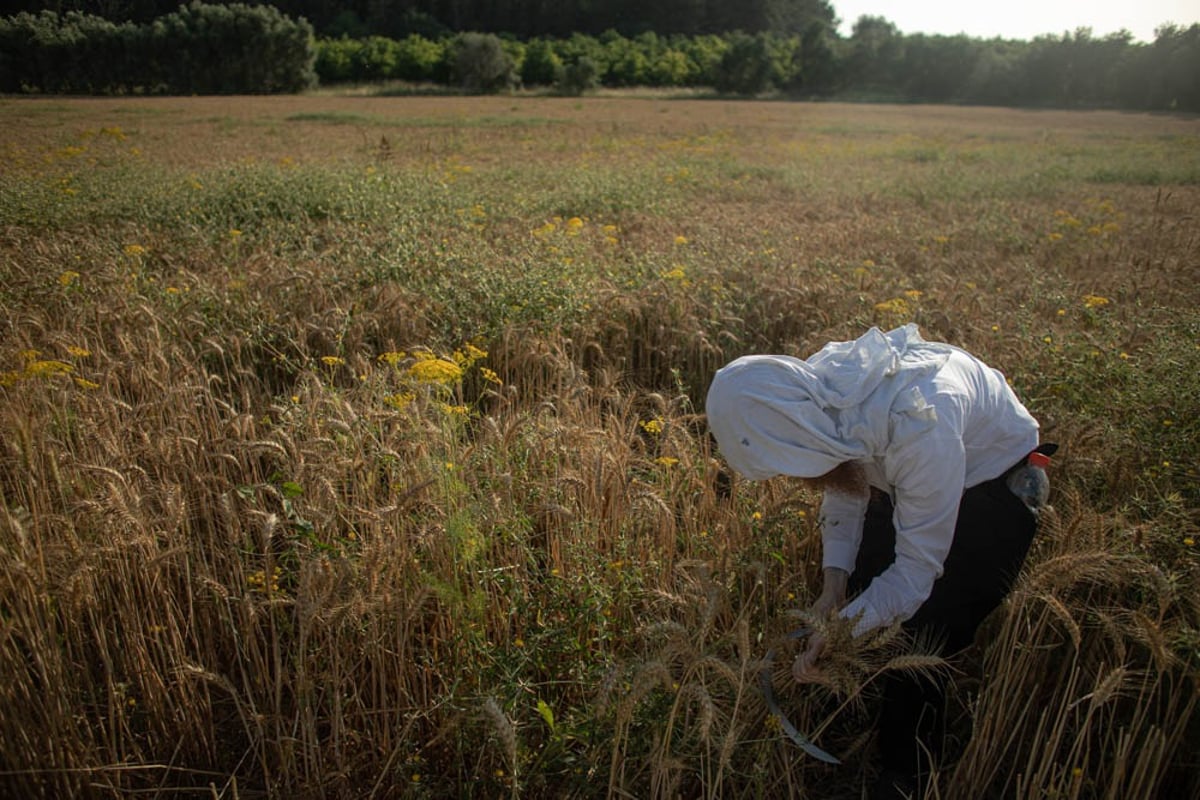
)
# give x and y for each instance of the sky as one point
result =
(1021, 19)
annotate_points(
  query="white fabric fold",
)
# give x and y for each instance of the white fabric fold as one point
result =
(780, 415)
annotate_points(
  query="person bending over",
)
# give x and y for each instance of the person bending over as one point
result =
(912, 442)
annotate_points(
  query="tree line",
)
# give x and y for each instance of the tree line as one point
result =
(523, 19)
(792, 48)
(877, 62)
(196, 49)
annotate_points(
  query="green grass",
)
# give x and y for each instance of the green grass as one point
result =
(349, 118)
(246, 538)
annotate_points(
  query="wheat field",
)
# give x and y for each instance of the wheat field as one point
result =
(353, 447)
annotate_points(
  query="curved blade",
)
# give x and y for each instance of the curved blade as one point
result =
(768, 689)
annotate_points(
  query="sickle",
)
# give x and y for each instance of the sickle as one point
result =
(768, 690)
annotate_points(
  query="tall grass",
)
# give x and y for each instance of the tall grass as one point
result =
(375, 467)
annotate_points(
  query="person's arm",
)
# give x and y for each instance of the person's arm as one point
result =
(842, 517)
(833, 591)
(928, 478)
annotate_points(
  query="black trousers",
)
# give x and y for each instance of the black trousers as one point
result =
(991, 539)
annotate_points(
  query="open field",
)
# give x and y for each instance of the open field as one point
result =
(352, 447)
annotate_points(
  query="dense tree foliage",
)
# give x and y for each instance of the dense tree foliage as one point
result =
(197, 49)
(877, 62)
(744, 47)
(523, 19)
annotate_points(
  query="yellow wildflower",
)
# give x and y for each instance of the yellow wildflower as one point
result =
(436, 370)
(681, 239)
(666, 461)
(468, 355)
(79, 352)
(135, 250)
(45, 369)
(490, 376)
(652, 426)
(391, 357)
(332, 361)
(895, 306)
(399, 401)
(1095, 301)
(68, 278)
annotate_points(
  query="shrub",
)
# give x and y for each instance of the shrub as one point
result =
(542, 66)
(748, 67)
(579, 46)
(671, 68)
(213, 49)
(337, 59)
(418, 58)
(628, 65)
(579, 76)
(481, 64)
(376, 59)
(704, 55)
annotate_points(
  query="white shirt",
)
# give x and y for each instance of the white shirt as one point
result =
(980, 430)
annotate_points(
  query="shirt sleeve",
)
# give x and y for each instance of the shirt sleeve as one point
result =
(841, 528)
(928, 477)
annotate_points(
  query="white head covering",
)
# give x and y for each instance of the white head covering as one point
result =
(779, 415)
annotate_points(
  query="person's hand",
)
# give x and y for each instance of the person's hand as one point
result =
(804, 668)
(831, 599)
(827, 603)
